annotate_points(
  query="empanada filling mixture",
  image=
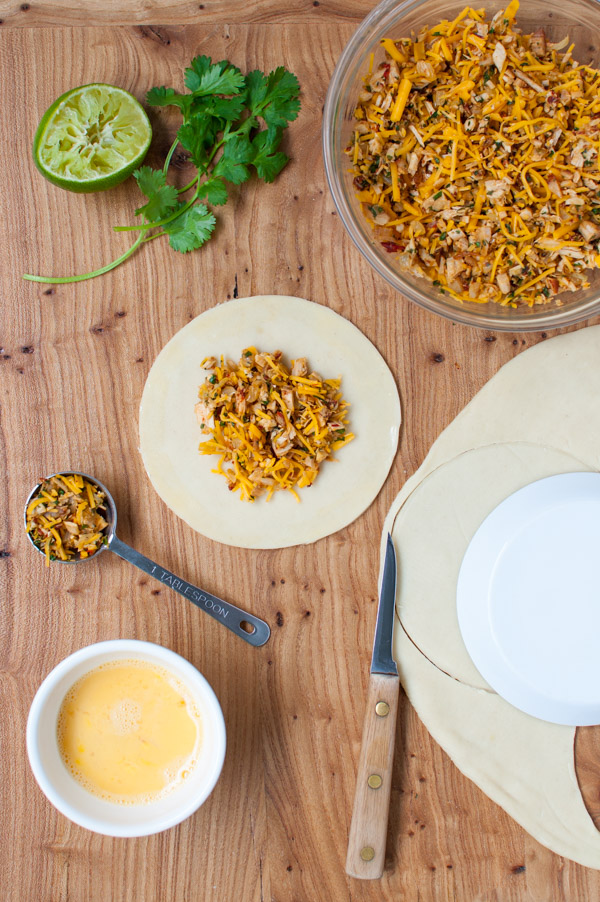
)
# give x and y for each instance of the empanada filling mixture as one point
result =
(476, 159)
(65, 518)
(272, 426)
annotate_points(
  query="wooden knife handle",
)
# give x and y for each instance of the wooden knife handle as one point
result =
(368, 830)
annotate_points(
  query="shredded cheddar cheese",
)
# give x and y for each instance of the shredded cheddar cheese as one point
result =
(271, 427)
(476, 155)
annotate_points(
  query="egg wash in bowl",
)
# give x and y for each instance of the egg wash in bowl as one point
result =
(129, 732)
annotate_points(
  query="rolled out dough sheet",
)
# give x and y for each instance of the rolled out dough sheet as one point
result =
(523, 764)
(536, 417)
(170, 435)
(549, 395)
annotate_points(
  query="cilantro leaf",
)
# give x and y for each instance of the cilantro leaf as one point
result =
(234, 172)
(198, 135)
(196, 71)
(274, 97)
(281, 101)
(149, 180)
(237, 152)
(226, 109)
(256, 88)
(204, 77)
(260, 151)
(268, 163)
(190, 230)
(168, 97)
(214, 190)
(160, 204)
(162, 198)
(239, 148)
(161, 96)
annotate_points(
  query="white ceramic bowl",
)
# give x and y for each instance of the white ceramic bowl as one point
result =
(95, 813)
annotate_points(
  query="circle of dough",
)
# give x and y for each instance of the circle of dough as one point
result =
(170, 435)
(433, 529)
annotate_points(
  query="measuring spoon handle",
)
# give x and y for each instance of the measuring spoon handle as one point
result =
(248, 627)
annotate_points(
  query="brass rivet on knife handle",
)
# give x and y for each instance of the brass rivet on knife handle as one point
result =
(367, 853)
(374, 781)
(382, 709)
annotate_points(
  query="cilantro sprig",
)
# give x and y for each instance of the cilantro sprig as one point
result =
(232, 128)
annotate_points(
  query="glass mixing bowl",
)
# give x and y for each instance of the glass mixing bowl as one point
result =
(580, 19)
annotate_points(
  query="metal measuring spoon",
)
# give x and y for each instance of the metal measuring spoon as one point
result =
(244, 625)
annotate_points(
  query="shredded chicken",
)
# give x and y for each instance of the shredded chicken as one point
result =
(64, 518)
(272, 426)
(486, 179)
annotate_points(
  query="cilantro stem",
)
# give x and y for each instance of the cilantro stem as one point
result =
(152, 237)
(188, 186)
(170, 154)
(52, 280)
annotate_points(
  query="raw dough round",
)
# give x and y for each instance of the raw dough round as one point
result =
(432, 532)
(170, 435)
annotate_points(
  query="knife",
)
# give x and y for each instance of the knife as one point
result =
(368, 829)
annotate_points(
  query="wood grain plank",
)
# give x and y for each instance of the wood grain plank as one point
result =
(73, 361)
(151, 14)
(587, 766)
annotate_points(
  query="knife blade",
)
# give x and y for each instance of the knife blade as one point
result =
(368, 828)
(382, 660)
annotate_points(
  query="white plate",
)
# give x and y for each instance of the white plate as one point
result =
(528, 599)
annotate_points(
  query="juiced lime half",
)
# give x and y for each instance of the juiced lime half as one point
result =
(92, 138)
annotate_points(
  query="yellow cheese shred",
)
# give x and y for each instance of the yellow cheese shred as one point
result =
(403, 92)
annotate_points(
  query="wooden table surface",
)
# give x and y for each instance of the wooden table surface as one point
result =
(73, 361)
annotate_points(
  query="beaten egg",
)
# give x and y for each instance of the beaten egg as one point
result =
(129, 732)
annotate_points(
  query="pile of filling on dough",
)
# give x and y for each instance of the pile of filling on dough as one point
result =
(65, 518)
(272, 426)
(476, 159)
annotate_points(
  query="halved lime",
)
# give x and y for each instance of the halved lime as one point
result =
(92, 138)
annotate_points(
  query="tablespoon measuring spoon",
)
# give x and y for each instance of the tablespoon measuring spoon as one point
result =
(248, 627)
